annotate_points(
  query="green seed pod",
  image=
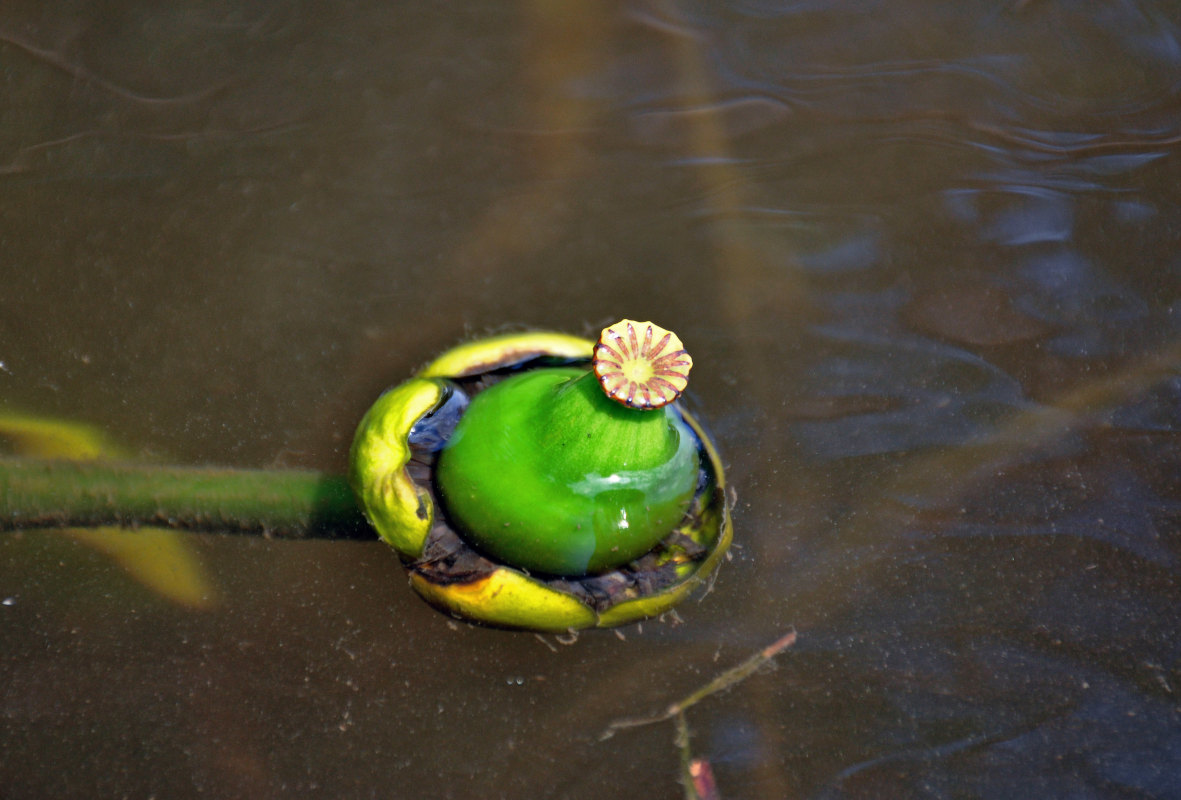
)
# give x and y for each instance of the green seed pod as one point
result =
(566, 494)
(545, 473)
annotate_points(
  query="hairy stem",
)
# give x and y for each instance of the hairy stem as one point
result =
(282, 503)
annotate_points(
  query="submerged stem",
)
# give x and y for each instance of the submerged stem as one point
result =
(719, 683)
(284, 503)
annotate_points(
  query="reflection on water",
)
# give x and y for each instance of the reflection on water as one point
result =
(926, 257)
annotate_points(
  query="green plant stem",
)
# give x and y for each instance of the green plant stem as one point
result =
(282, 503)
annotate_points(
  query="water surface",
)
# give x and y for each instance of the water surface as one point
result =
(925, 256)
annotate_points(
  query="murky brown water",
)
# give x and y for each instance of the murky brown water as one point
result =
(925, 255)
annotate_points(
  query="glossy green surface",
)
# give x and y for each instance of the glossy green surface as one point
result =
(545, 473)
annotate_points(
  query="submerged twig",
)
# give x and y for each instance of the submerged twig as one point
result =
(720, 683)
(696, 774)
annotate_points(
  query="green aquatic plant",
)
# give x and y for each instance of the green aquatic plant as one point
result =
(532, 480)
(543, 481)
(569, 471)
